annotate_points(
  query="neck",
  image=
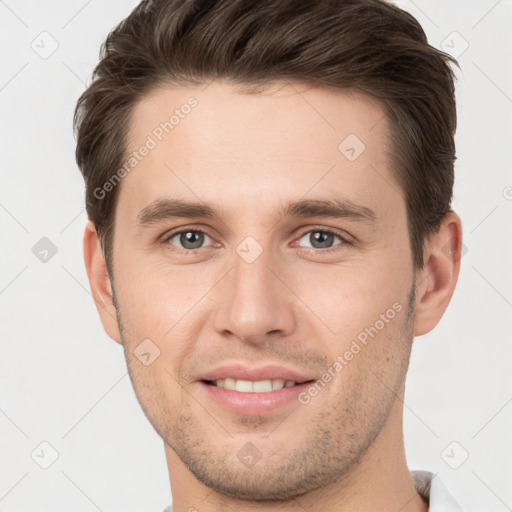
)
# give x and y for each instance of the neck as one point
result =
(379, 481)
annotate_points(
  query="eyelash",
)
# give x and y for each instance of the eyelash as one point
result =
(344, 240)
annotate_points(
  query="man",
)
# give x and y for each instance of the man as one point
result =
(268, 185)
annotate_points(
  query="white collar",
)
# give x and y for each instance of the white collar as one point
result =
(433, 490)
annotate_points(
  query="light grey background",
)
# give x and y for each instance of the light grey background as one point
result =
(64, 382)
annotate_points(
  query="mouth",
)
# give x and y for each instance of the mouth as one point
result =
(253, 397)
(250, 386)
(240, 388)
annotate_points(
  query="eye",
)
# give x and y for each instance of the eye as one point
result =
(321, 239)
(188, 239)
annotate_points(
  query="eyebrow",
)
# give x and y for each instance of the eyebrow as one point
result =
(166, 209)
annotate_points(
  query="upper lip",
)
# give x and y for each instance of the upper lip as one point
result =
(244, 372)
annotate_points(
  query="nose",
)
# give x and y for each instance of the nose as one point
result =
(252, 303)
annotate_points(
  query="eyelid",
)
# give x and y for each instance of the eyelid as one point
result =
(344, 237)
(184, 229)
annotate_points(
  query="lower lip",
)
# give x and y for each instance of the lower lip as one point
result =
(253, 403)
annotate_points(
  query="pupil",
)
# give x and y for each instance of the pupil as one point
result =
(192, 239)
(321, 239)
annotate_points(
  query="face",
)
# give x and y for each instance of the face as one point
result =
(263, 282)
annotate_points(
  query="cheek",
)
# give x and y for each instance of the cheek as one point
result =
(349, 298)
(157, 301)
(367, 361)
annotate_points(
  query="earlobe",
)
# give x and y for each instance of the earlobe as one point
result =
(436, 282)
(99, 281)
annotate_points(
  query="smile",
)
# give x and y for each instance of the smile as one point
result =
(249, 386)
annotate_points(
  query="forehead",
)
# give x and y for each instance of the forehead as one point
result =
(288, 138)
(288, 112)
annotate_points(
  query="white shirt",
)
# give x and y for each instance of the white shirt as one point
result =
(430, 487)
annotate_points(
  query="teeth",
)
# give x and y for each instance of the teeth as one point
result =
(249, 386)
(228, 384)
(245, 386)
(262, 386)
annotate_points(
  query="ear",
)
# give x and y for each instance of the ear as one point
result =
(99, 281)
(437, 279)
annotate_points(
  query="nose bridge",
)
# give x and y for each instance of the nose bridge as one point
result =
(253, 302)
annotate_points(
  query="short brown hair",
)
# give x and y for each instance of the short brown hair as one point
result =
(369, 46)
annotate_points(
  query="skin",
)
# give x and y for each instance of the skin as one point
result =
(296, 305)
